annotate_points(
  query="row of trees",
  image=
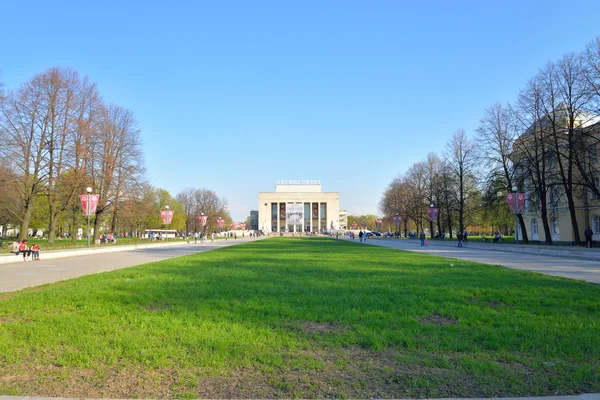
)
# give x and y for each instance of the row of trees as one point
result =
(544, 143)
(58, 137)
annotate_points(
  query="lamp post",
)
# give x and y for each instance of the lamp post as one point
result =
(203, 224)
(89, 191)
(167, 223)
(220, 223)
(431, 216)
(397, 224)
(516, 210)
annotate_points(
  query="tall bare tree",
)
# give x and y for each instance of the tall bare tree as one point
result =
(461, 156)
(496, 136)
(114, 151)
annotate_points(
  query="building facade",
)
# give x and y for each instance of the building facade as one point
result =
(298, 206)
(584, 144)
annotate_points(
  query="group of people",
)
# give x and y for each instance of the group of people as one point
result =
(29, 252)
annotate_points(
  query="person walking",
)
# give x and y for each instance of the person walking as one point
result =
(195, 237)
(360, 236)
(459, 236)
(465, 235)
(588, 237)
(422, 237)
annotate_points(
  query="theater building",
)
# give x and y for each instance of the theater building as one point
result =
(298, 206)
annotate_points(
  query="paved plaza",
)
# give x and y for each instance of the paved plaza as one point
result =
(20, 275)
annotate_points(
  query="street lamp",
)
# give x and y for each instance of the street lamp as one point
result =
(431, 216)
(89, 192)
(203, 224)
(397, 223)
(516, 210)
(167, 223)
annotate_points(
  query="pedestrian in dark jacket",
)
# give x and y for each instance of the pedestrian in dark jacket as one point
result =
(588, 237)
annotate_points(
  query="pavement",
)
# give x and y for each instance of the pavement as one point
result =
(16, 274)
(565, 261)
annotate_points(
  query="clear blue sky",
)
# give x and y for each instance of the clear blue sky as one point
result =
(234, 95)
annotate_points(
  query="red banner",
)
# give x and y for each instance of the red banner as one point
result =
(520, 202)
(510, 198)
(364, 224)
(432, 213)
(202, 219)
(93, 203)
(378, 222)
(220, 223)
(354, 225)
(166, 216)
(397, 220)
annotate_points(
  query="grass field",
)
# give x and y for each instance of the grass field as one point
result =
(302, 317)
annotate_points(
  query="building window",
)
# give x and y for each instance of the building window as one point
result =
(534, 226)
(593, 195)
(596, 224)
(553, 196)
(555, 229)
(306, 217)
(593, 151)
(323, 216)
(273, 217)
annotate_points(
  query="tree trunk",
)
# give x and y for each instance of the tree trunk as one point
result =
(524, 239)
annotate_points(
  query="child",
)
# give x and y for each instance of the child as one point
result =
(35, 252)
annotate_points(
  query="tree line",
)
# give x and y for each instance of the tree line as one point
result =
(59, 136)
(544, 144)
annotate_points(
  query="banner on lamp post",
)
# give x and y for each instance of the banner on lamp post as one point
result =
(93, 203)
(397, 220)
(432, 213)
(220, 223)
(520, 202)
(202, 219)
(364, 224)
(166, 216)
(354, 226)
(510, 199)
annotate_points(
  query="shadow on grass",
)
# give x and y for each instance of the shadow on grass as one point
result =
(276, 304)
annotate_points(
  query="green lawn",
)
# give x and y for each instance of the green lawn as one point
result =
(302, 317)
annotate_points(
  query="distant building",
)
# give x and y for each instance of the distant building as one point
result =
(254, 220)
(343, 219)
(298, 206)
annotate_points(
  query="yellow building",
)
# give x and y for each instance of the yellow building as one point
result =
(586, 203)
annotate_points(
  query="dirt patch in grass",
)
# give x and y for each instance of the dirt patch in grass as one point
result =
(437, 319)
(349, 372)
(321, 327)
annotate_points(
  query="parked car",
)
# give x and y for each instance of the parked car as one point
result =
(373, 234)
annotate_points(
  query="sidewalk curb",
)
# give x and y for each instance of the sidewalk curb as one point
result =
(52, 254)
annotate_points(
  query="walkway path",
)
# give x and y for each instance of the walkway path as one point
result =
(19, 275)
(568, 262)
